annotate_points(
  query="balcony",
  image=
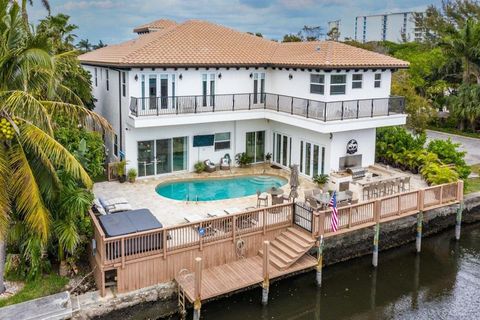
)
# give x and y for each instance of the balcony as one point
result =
(306, 108)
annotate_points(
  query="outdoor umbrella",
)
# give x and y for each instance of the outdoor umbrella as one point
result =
(294, 181)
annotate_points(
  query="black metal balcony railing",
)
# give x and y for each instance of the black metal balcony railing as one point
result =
(323, 111)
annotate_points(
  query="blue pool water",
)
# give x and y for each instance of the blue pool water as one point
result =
(218, 189)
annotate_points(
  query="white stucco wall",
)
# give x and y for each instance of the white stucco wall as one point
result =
(366, 146)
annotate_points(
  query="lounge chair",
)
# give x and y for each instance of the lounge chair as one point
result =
(209, 166)
(233, 210)
(113, 205)
(217, 213)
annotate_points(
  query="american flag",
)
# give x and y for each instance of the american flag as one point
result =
(333, 205)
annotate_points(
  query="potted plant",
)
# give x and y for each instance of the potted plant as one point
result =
(132, 175)
(121, 167)
(243, 159)
(268, 157)
(321, 180)
(199, 166)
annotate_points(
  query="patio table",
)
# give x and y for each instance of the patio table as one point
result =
(274, 191)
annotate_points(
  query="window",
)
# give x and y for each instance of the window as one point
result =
(115, 145)
(95, 71)
(357, 81)
(338, 84)
(378, 80)
(108, 78)
(124, 85)
(317, 83)
(312, 159)
(222, 141)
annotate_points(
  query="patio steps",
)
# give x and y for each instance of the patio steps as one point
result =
(289, 247)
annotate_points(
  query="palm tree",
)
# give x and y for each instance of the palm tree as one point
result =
(45, 4)
(31, 96)
(99, 45)
(465, 105)
(464, 44)
(84, 45)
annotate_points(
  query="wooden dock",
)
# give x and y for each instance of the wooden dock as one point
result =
(244, 273)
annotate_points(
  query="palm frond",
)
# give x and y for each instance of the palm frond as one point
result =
(23, 105)
(25, 190)
(87, 118)
(40, 142)
(5, 178)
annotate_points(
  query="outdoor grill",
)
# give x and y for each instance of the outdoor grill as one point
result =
(357, 172)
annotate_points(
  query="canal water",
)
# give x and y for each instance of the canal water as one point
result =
(443, 282)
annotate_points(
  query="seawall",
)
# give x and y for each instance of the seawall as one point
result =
(161, 300)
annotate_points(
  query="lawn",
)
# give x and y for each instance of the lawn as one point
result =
(46, 285)
(473, 184)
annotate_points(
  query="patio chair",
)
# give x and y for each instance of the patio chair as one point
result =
(366, 193)
(397, 185)
(316, 192)
(312, 203)
(288, 197)
(277, 200)
(115, 205)
(209, 166)
(405, 182)
(308, 194)
(262, 199)
(225, 163)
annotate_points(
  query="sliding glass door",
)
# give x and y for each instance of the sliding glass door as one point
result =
(164, 150)
(255, 145)
(312, 159)
(180, 154)
(162, 156)
(282, 149)
(146, 158)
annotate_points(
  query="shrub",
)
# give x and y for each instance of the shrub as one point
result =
(447, 152)
(132, 174)
(243, 159)
(320, 179)
(199, 166)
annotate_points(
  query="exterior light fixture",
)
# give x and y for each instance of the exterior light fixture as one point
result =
(220, 76)
(251, 75)
(136, 77)
(290, 76)
(180, 76)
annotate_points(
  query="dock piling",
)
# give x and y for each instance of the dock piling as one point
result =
(266, 277)
(197, 305)
(319, 261)
(418, 239)
(376, 237)
(458, 221)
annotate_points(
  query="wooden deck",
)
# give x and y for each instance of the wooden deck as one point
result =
(230, 277)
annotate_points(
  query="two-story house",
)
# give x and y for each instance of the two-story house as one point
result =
(184, 92)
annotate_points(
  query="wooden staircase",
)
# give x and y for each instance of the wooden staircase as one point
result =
(288, 247)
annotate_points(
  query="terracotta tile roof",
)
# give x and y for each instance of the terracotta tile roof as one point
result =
(201, 43)
(155, 25)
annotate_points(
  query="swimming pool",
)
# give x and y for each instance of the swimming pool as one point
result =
(218, 189)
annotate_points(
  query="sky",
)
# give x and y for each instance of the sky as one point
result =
(112, 21)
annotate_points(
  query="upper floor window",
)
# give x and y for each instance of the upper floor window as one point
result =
(124, 85)
(222, 141)
(95, 71)
(357, 79)
(378, 80)
(317, 83)
(338, 84)
(108, 79)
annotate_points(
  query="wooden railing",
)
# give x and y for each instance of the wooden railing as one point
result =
(196, 235)
(115, 251)
(387, 208)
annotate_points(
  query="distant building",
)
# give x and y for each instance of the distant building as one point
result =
(395, 27)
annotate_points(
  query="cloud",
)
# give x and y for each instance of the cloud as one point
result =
(112, 21)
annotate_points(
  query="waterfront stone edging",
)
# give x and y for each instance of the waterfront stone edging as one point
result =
(337, 249)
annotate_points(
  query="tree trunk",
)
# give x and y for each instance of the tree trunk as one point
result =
(3, 258)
